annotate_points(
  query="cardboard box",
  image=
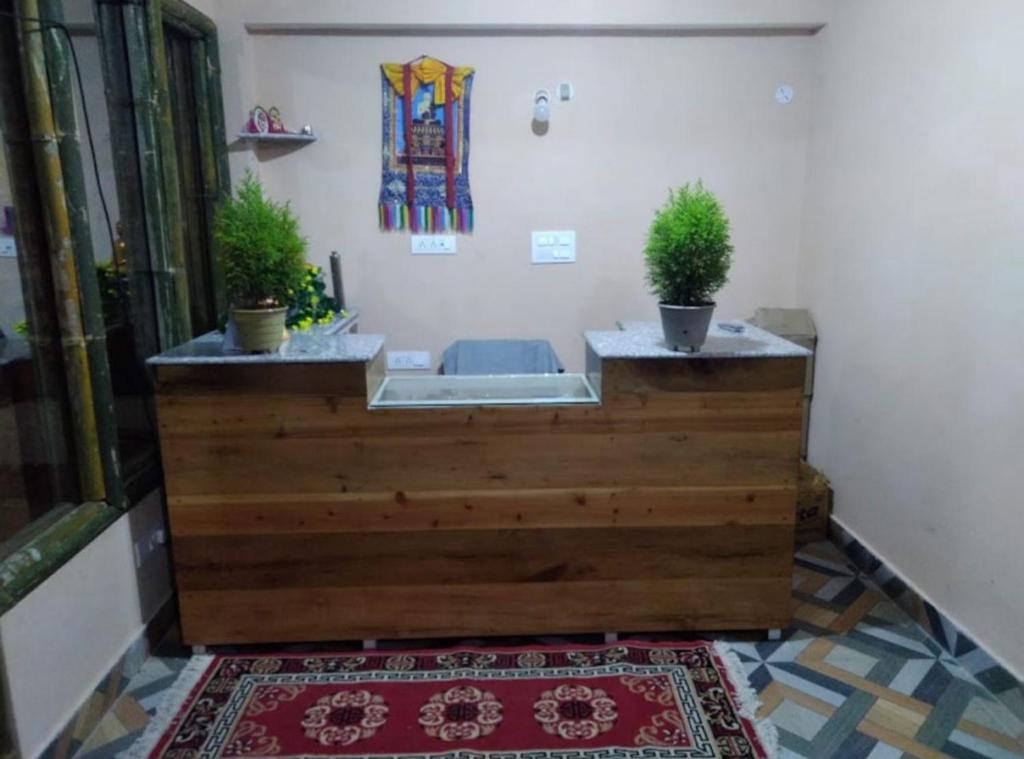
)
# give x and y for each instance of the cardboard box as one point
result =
(813, 505)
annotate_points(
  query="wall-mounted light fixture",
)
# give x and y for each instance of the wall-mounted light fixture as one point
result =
(542, 106)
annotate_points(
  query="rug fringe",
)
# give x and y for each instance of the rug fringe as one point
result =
(169, 706)
(749, 702)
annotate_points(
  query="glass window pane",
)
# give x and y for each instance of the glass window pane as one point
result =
(180, 51)
(132, 395)
(36, 469)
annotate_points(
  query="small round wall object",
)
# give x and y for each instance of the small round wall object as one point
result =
(784, 94)
(259, 121)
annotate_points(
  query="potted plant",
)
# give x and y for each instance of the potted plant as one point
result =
(262, 256)
(688, 254)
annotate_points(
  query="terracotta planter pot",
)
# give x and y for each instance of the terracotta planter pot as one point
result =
(685, 327)
(260, 330)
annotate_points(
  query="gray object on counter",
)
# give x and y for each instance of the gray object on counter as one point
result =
(638, 339)
(14, 349)
(500, 357)
(336, 283)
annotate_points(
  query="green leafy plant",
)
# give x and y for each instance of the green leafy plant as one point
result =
(261, 250)
(113, 286)
(21, 328)
(311, 305)
(688, 251)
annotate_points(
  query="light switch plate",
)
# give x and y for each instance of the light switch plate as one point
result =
(8, 248)
(407, 360)
(557, 247)
(433, 245)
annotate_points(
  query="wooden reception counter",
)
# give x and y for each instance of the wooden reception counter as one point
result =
(311, 498)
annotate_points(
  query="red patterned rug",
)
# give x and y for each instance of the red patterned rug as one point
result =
(535, 702)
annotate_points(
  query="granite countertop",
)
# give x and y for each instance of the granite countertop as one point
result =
(637, 339)
(309, 346)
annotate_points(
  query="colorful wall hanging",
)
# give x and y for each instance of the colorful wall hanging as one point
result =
(425, 180)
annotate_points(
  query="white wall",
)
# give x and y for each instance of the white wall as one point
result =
(649, 113)
(913, 265)
(62, 639)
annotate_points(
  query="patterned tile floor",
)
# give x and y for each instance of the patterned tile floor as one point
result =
(853, 677)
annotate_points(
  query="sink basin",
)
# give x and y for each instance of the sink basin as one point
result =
(490, 390)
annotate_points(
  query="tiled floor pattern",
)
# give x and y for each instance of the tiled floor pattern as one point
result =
(972, 657)
(854, 677)
(131, 713)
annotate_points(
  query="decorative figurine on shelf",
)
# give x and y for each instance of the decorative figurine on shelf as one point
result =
(276, 122)
(259, 121)
(264, 122)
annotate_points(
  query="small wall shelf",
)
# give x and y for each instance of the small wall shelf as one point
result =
(278, 138)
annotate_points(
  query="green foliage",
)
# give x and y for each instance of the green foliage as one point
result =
(261, 250)
(113, 291)
(311, 305)
(21, 328)
(688, 251)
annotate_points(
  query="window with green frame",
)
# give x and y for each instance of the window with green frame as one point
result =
(105, 272)
(62, 481)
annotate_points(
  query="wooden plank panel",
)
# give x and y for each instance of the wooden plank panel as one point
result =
(309, 614)
(277, 415)
(479, 462)
(442, 557)
(376, 370)
(478, 510)
(299, 514)
(701, 375)
(341, 379)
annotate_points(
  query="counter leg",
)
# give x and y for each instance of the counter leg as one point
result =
(610, 638)
(369, 644)
(200, 650)
(774, 634)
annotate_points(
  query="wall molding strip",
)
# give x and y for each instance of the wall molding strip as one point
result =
(535, 30)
